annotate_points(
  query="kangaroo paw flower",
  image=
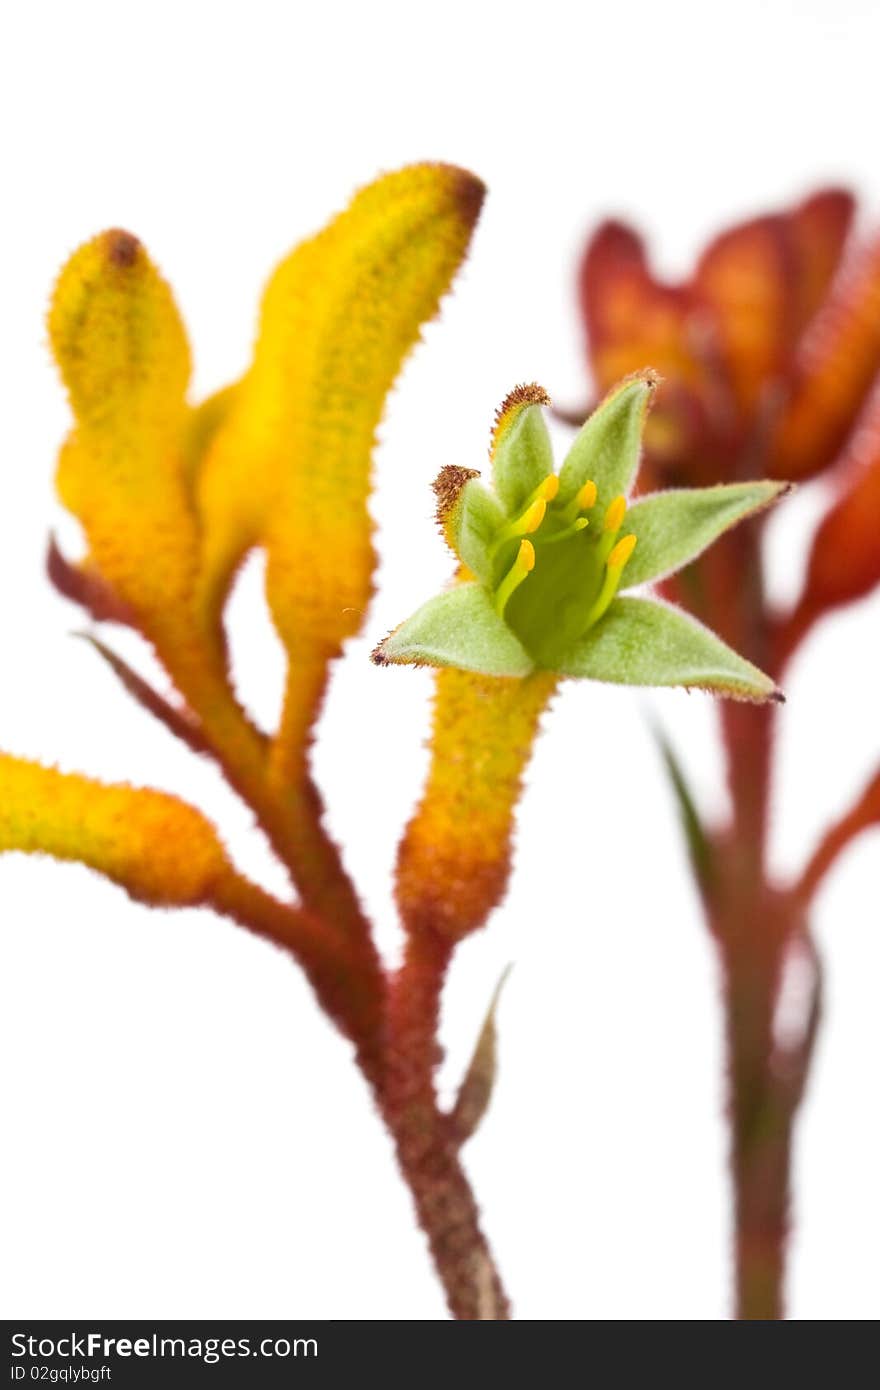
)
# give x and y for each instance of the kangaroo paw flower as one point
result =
(546, 559)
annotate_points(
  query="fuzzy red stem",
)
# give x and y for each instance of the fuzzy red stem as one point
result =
(756, 927)
(427, 1150)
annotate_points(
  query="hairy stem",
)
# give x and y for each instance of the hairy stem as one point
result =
(757, 929)
(769, 1064)
(311, 853)
(452, 870)
(427, 1150)
(760, 1140)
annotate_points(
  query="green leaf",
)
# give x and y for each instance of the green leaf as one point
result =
(476, 1088)
(522, 455)
(476, 521)
(606, 451)
(698, 840)
(675, 527)
(458, 628)
(642, 642)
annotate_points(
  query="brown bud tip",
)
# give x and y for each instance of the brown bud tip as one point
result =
(122, 247)
(448, 485)
(649, 375)
(777, 697)
(378, 657)
(510, 408)
(469, 193)
(528, 394)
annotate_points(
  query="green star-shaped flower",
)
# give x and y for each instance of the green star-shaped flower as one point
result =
(546, 559)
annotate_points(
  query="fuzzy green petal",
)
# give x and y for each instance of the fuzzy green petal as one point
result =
(522, 455)
(675, 527)
(642, 642)
(457, 628)
(606, 451)
(476, 522)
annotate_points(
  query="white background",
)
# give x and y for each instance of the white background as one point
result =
(186, 1135)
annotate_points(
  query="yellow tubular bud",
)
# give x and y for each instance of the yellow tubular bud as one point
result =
(454, 859)
(121, 348)
(157, 847)
(290, 469)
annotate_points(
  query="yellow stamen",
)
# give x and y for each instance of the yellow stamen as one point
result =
(526, 556)
(583, 500)
(586, 498)
(531, 518)
(523, 525)
(615, 514)
(548, 489)
(519, 570)
(617, 558)
(621, 552)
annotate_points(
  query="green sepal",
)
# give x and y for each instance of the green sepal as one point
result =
(474, 525)
(457, 628)
(522, 455)
(606, 451)
(675, 527)
(642, 642)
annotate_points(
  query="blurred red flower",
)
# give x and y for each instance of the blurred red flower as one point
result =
(770, 354)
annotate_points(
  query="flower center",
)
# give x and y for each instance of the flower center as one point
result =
(559, 568)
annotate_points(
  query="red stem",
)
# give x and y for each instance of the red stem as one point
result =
(767, 1078)
(427, 1150)
(756, 927)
